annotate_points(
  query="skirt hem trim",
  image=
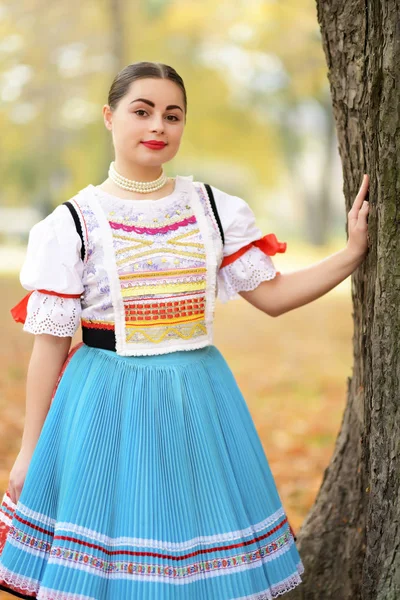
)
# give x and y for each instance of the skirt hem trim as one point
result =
(270, 593)
(4, 588)
(278, 589)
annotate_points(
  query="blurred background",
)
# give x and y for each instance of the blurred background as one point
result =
(259, 126)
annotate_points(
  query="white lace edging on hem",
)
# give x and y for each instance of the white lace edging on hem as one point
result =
(24, 583)
(278, 589)
(33, 586)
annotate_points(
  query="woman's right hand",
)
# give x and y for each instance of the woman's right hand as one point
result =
(18, 474)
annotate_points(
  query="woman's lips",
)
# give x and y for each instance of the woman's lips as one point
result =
(154, 145)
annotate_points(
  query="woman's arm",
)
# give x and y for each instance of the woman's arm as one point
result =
(48, 356)
(291, 290)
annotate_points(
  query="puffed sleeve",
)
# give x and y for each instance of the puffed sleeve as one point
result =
(247, 252)
(52, 271)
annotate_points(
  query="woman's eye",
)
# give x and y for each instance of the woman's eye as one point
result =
(174, 118)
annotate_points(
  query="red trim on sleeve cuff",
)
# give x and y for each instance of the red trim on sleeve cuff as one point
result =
(268, 244)
(19, 311)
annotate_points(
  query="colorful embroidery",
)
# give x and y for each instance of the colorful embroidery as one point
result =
(97, 308)
(166, 252)
(279, 541)
(96, 324)
(162, 275)
(152, 230)
(183, 332)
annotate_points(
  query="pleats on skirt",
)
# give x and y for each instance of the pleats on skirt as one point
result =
(148, 482)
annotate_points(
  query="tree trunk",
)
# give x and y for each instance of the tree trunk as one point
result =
(350, 540)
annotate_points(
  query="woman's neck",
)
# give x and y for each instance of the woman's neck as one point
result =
(112, 188)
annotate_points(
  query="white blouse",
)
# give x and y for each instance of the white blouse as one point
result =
(53, 260)
(53, 263)
(239, 226)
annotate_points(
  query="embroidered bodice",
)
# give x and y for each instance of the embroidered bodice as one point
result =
(149, 271)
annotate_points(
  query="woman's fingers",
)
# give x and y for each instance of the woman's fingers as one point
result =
(357, 220)
(362, 192)
(359, 199)
(363, 214)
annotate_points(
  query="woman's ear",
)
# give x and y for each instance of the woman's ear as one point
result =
(107, 115)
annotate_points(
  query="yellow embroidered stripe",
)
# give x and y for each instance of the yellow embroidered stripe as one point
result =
(181, 236)
(175, 272)
(174, 240)
(197, 328)
(195, 244)
(140, 244)
(129, 238)
(162, 288)
(160, 322)
(163, 250)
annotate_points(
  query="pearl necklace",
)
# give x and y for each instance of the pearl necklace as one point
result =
(136, 186)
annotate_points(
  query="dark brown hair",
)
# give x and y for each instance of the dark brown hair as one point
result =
(141, 70)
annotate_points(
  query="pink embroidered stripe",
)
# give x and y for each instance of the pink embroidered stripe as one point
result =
(163, 229)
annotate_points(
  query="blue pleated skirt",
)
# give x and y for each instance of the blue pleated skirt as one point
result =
(148, 482)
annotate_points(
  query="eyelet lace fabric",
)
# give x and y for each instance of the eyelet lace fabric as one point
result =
(244, 274)
(52, 314)
(280, 588)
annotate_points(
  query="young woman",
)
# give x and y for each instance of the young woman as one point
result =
(141, 474)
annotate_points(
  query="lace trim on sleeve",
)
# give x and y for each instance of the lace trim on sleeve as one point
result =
(244, 274)
(52, 314)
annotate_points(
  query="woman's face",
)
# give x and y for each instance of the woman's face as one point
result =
(159, 115)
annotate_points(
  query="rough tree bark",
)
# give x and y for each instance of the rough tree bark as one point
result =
(350, 540)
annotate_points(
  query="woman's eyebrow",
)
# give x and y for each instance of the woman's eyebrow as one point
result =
(150, 103)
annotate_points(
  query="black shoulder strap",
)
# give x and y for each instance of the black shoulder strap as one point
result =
(78, 226)
(215, 211)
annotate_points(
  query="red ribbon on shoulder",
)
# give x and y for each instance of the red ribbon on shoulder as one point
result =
(19, 310)
(268, 244)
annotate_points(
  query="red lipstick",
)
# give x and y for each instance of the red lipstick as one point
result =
(154, 145)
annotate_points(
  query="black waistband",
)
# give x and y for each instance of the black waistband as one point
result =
(99, 338)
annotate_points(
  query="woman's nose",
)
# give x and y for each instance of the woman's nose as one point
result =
(157, 124)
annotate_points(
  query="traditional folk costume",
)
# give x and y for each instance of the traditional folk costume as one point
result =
(148, 480)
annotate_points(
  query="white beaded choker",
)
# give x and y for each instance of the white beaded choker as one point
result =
(136, 186)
